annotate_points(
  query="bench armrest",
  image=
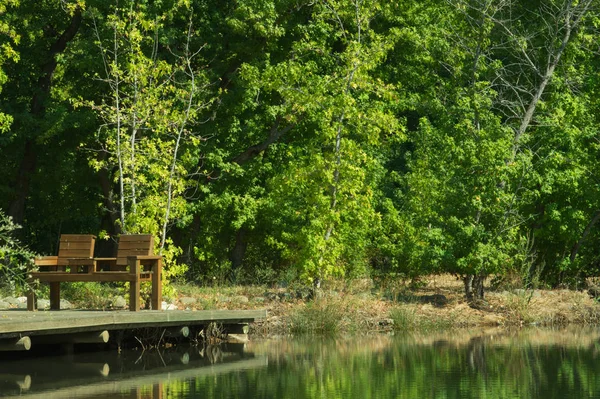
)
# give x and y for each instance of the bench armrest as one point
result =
(46, 261)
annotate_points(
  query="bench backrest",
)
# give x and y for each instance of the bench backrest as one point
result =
(134, 244)
(75, 246)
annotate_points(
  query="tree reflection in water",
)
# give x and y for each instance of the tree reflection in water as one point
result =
(456, 364)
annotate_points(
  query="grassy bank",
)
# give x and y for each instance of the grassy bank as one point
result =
(437, 303)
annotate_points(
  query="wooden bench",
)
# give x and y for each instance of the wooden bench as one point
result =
(134, 263)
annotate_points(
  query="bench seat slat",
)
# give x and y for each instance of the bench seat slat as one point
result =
(76, 237)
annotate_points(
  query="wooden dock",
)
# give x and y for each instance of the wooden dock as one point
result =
(20, 330)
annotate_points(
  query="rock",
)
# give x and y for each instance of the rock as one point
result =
(22, 299)
(187, 301)
(168, 306)
(224, 299)
(258, 299)
(43, 304)
(4, 305)
(241, 299)
(22, 305)
(11, 300)
(119, 302)
(64, 304)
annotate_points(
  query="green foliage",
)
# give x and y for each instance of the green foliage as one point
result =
(90, 295)
(277, 141)
(15, 258)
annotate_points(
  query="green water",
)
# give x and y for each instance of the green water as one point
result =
(526, 364)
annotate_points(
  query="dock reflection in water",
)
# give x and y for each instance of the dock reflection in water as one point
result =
(130, 374)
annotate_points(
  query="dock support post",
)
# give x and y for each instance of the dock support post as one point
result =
(15, 344)
(175, 332)
(241, 328)
(87, 337)
(97, 337)
(22, 381)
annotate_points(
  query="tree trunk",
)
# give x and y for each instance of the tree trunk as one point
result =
(474, 287)
(572, 16)
(476, 355)
(584, 235)
(239, 249)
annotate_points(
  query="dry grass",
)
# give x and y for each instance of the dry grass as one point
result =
(436, 303)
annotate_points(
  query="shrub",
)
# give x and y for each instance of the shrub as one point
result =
(15, 258)
(321, 317)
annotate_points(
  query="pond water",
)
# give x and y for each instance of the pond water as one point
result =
(458, 364)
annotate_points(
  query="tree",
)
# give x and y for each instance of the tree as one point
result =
(149, 137)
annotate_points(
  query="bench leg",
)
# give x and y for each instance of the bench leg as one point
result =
(157, 285)
(134, 284)
(31, 296)
(134, 295)
(55, 296)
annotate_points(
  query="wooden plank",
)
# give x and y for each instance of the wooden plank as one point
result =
(136, 237)
(77, 237)
(71, 321)
(149, 257)
(75, 253)
(133, 252)
(75, 245)
(46, 261)
(148, 245)
(123, 259)
(70, 277)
